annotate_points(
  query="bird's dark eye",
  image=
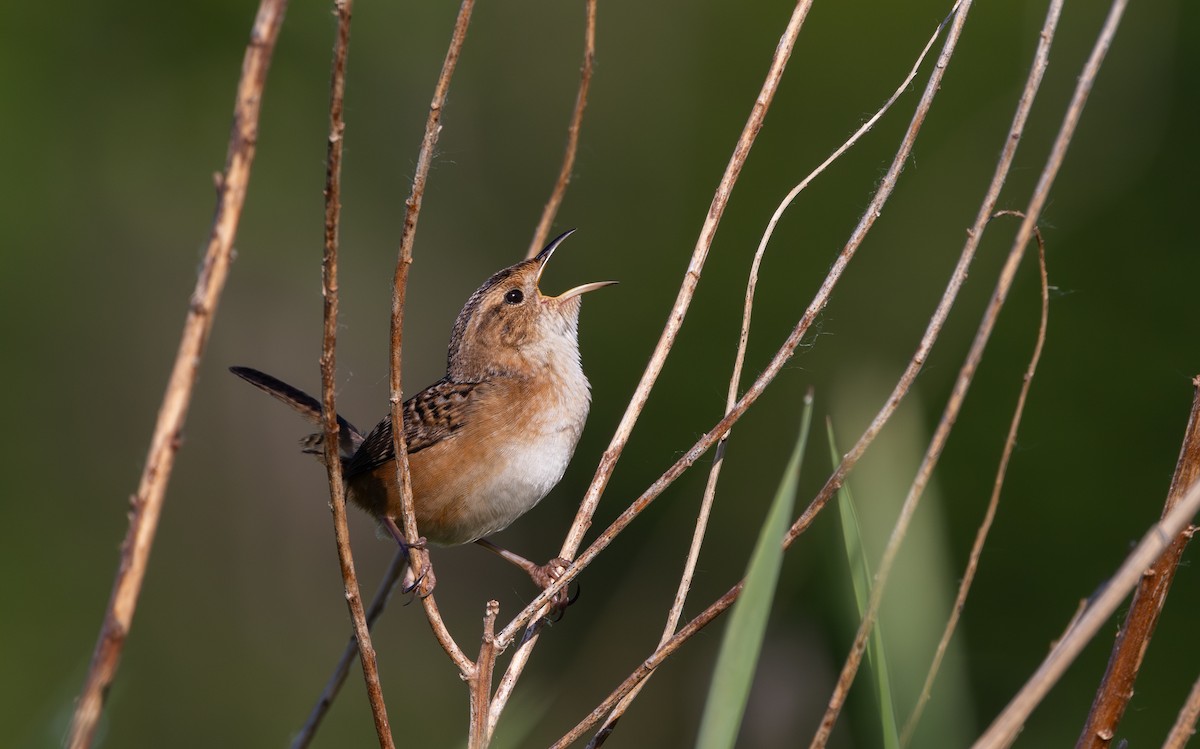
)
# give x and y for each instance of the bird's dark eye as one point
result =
(514, 296)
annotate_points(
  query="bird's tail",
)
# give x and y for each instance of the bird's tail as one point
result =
(307, 406)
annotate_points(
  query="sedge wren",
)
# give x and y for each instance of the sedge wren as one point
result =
(490, 439)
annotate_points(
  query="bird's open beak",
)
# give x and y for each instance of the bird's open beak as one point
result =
(585, 288)
(543, 257)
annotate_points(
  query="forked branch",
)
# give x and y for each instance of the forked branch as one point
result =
(564, 173)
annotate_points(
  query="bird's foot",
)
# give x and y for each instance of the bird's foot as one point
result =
(548, 574)
(420, 586)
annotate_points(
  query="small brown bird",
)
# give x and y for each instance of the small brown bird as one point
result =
(490, 439)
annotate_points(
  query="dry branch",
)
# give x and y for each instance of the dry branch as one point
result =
(985, 525)
(564, 173)
(333, 461)
(419, 558)
(146, 504)
(1116, 688)
(342, 669)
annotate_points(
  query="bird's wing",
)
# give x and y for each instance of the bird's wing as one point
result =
(430, 416)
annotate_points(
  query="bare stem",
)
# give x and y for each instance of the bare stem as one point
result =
(333, 461)
(647, 667)
(309, 731)
(564, 173)
(1010, 442)
(419, 557)
(146, 504)
(1116, 688)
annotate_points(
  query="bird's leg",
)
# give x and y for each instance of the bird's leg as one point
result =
(543, 575)
(423, 585)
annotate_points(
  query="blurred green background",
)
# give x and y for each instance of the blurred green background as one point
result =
(117, 114)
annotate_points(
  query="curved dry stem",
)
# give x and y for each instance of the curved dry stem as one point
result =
(333, 461)
(146, 504)
(735, 379)
(334, 685)
(642, 672)
(564, 173)
(1010, 443)
(419, 558)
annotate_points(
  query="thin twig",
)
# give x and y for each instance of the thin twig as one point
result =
(331, 444)
(707, 500)
(419, 558)
(1116, 688)
(564, 173)
(1004, 729)
(1010, 443)
(648, 666)
(146, 504)
(309, 730)
(1185, 723)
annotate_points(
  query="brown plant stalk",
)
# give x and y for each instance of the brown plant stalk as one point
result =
(608, 460)
(647, 667)
(419, 558)
(981, 534)
(308, 731)
(146, 504)
(708, 498)
(1116, 688)
(564, 173)
(331, 444)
